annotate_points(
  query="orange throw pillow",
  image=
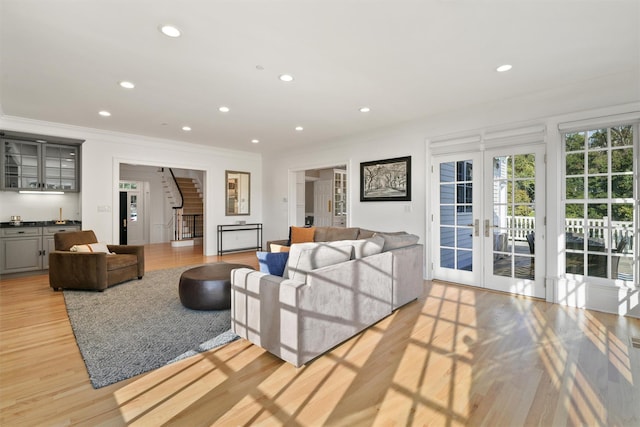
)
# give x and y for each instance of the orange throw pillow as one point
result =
(302, 234)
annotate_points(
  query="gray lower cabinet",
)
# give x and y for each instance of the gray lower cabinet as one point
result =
(25, 249)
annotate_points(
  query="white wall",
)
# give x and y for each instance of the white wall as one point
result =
(104, 152)
(39, 207)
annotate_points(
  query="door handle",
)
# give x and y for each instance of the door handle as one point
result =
(124, 223)
(329, 206)
(488, 227)
(476, 227)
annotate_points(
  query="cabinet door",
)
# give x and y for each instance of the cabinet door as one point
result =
(49, 246)
(60, 171)
(20, 254)
(20, 165)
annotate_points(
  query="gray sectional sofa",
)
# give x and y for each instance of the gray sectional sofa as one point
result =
(329, 292)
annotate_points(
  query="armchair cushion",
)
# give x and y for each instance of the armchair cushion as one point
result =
(64, 241)
(90, 247)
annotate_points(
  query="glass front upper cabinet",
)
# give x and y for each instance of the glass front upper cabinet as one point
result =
(38, 166)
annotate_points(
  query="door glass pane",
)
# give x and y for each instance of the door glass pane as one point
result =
(456, 215)
(133, 208)
(514, 216)
(447, 193)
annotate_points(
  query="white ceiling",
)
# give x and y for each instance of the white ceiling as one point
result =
(61, 61)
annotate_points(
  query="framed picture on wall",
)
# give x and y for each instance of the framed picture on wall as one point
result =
(386, 180)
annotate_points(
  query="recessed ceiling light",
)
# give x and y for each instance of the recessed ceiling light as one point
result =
(255, 141)
(104, 113)
(286, 77)
(127, 85)
(299, 128)
(186, 128)
(170, 31)
(365, 109)
(40, 140)
(223, 109)
(503, 68)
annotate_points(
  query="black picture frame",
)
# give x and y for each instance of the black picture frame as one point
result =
(387, 180)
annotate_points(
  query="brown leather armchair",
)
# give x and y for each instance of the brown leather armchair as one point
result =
(86, 270)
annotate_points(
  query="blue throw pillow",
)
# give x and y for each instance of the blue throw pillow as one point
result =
(273, 262)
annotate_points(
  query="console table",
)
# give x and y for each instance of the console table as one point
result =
(230, 228)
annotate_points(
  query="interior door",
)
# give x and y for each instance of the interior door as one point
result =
(488, 219)
(322, 200)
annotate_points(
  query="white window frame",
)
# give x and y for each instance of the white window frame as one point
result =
(586, 126)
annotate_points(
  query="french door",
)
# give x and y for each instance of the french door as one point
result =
(488, 219)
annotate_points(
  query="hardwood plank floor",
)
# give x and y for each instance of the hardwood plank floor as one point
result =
(457, 356)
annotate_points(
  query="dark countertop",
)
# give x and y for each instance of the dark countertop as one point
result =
(51, 223)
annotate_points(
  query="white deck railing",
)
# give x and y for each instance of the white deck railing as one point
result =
(520, 226)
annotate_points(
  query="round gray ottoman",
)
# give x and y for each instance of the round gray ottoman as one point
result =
(207, 287)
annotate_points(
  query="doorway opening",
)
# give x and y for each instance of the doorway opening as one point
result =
(322, 197)
(149, 199)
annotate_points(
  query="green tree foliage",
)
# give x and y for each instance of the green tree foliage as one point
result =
(602, 147)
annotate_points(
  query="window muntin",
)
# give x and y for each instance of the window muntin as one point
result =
(600, 231)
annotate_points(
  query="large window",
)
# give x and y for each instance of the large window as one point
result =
(600, 199)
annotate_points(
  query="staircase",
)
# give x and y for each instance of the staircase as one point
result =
(185, 197)
(191, 196)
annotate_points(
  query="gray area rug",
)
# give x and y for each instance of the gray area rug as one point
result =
(141, 325)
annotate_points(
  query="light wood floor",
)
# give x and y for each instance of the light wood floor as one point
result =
(457, 356)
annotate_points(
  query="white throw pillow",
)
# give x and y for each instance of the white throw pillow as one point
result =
(91, 247)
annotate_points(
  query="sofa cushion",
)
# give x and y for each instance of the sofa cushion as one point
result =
(366, 247)
(301, 234)
(332, 234)
(363, 233)
(305, 257)
(272, 262)
(395, 241)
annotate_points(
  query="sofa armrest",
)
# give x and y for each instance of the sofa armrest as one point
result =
(137, 250)
(408, 274)
(77, 270)
(255, 307)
